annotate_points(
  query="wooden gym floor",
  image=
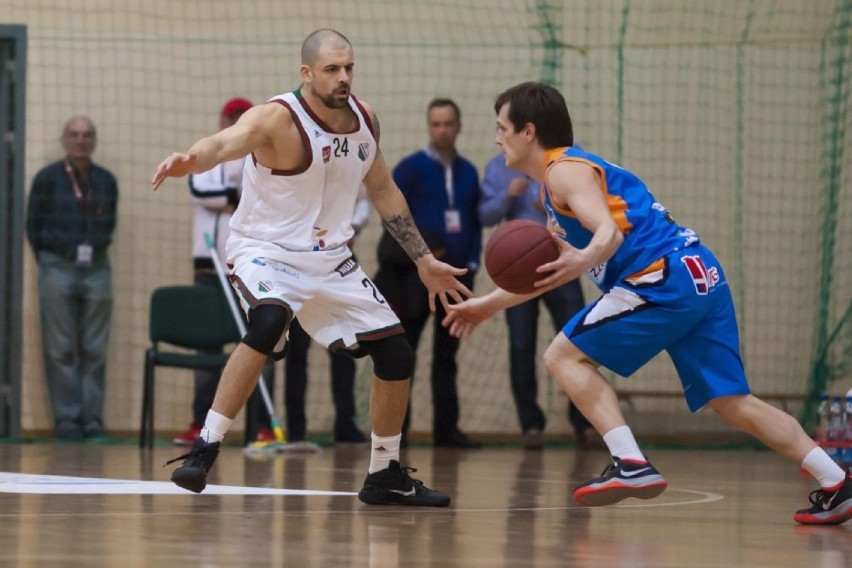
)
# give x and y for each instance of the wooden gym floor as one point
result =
(82, 505)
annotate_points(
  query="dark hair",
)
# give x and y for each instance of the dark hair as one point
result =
(444, 103)
(544, 107)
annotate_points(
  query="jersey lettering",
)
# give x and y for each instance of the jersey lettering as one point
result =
(341, 148)
(367, 283)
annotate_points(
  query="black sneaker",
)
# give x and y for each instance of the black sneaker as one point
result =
(829, 507)
(393, 486)
(192, 473)
(620, 480)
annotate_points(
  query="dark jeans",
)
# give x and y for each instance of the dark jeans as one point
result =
(445, 398)
(342, 387)
(562, 303)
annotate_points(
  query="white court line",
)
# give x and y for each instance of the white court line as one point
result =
(64, 485)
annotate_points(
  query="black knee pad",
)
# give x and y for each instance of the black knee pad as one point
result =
(393, 357)
(267, 329)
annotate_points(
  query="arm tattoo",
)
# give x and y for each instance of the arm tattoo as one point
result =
(403, 229)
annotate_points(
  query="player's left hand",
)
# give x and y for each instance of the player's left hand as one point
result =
(462, 319)
(440, 280)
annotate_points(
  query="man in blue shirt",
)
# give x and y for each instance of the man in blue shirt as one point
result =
(507, 195)
(442, 191)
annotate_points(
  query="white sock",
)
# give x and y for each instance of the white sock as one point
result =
(215, 427)
(622, 444)
(822, 467)
(384, 449)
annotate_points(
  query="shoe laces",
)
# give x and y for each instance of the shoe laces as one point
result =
(195, 452)
(820, 496)
(406, 471)
(611, 466)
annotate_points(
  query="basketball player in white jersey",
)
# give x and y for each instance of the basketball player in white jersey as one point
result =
(308, 153)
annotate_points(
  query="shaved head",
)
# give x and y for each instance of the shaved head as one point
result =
(324, 38)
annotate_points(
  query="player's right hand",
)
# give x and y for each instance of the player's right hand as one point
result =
(176, 165)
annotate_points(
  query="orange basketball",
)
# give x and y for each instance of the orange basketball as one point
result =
(513, 253)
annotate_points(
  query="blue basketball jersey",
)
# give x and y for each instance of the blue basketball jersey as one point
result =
(649, 231)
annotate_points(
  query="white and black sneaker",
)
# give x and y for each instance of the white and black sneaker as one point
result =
(829, 506)
(394, 486)
(621, 479)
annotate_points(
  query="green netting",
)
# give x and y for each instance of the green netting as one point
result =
(735, 112)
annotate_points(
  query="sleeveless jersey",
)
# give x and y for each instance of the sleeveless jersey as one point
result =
(649, 231)
(309, 208)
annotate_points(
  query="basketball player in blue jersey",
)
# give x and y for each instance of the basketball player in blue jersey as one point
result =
(662, 290)
(309, 152)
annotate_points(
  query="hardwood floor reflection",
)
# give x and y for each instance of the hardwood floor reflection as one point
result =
(510, 508)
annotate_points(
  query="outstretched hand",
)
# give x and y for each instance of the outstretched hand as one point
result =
(177, 165)
(462, 319)
(440, 280)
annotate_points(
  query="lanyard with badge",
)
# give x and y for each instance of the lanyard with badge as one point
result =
(452, 216)
(84, 250)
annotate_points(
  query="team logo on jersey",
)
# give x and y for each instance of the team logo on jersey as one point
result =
(346, 267)
(317, 133)
(326, 154)
(264, 286)
(702, 278)
(364, 151)
(318, 237)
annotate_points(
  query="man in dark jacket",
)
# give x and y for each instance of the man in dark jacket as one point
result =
(70, 222)
(442, 190)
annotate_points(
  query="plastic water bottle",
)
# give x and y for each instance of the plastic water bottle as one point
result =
(821, 431)
(836, 428)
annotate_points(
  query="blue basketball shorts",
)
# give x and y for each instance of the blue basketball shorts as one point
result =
(682, 305)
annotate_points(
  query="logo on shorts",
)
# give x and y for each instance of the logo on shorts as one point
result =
(258, 262)
(346, 267)
(326, 154)
(364, 151)
(264, 286)
(702, 278)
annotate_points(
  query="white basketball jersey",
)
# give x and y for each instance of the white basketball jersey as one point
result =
(309, 208)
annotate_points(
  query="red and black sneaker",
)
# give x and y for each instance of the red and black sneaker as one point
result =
(188, 438)
(829, 506)
(621, 479)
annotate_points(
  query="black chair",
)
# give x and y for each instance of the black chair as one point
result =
(193, 318)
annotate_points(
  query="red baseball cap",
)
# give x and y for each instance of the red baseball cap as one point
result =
(236, 105)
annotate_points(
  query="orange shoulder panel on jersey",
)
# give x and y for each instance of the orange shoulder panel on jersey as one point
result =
(617, 206)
